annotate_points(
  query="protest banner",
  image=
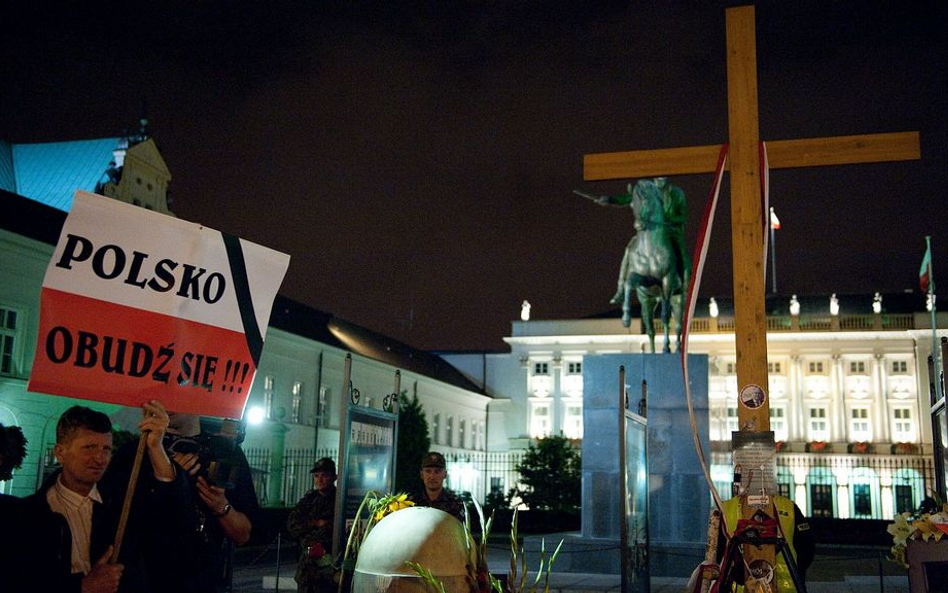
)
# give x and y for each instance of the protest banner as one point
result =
(137, 305)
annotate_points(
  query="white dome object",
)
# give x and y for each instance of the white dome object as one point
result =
(427, 536)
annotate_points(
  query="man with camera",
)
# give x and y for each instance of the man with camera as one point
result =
(224, 507)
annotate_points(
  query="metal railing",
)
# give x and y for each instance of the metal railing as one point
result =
(484, 471)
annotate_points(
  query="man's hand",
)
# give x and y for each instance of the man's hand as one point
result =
(154, 422)
(153, 425)
(104, 577)
(213, 496)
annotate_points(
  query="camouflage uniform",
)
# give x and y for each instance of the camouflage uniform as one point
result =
(447, 501)
(315, 505)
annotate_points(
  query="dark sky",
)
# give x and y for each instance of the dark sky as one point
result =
(417, 160)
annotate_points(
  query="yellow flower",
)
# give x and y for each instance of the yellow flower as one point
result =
(391, 503)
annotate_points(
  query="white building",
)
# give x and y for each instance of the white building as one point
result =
(850, 403)
(298, 390)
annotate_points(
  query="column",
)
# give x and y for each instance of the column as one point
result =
(838, 397)
(880, 400)
(275, 479)
(799, 488)
(796, 408)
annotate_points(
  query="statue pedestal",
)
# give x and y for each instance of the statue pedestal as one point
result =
(679, 500)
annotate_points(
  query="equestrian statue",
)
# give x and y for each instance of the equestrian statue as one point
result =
(655, 265)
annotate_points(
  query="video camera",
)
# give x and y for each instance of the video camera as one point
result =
(217, 455)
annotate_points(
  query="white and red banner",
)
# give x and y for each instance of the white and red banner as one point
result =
(137, 305)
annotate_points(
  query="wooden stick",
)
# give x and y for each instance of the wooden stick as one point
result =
(129, 495)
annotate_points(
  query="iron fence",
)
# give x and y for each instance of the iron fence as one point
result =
(474, 472)
(856, 486)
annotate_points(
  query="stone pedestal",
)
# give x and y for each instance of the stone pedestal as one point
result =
(679, 500)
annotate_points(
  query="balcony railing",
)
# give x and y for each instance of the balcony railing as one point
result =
(781, 323)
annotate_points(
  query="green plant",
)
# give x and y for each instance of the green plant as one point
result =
(551, 473)
(479, 578)
(413, 442)
(377, 506)
(518, 564)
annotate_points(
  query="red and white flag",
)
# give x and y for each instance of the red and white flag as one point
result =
(774, 221)
(137, 305)
(925, 272)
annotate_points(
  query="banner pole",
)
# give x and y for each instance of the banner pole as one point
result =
(129, 495)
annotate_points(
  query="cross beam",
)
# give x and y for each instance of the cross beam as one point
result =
(746, 216)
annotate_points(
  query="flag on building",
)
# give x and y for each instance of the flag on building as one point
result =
(774, 221)
(924, 273)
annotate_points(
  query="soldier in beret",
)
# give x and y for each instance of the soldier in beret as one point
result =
(311, 523)
(433, 493)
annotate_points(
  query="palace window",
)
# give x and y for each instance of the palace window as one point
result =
(730, 368)
(821, 500)
(297, 401)
(774, 368)
(540, 425)
(574, 368)
(904, 499)
(541, 383)
(903, 430)
(436, 429)
(819, 430)
(449, 433)
(899, 367)
(462, 433)
(8, 331)
(857, 367)
(268, 396)
(573, 421)
(778, 423)
(815, 367)
(859, 425)
(324, 413)
(732, 424)
(862, 501)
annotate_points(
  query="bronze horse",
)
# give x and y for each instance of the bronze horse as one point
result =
(654, 269)
(655, 266)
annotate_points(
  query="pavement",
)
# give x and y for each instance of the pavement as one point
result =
(836, 569)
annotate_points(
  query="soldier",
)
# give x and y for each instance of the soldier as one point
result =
(311, 522)
(434, 494)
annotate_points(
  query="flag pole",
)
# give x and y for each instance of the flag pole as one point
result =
(773, 253)
(936, 359)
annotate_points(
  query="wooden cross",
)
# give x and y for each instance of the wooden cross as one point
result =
(747, 225)
(747, 221)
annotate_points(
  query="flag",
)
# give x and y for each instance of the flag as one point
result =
(774, 221)
(924, 273)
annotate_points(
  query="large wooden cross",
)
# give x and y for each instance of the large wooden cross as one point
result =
(747, 225)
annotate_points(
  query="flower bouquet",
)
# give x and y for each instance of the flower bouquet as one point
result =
(923, 526)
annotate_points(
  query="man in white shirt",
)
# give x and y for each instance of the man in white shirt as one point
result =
(76, 512)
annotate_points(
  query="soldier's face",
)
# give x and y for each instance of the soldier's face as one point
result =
(433, 477)
(322, 481)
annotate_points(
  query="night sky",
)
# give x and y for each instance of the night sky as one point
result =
(417, 160)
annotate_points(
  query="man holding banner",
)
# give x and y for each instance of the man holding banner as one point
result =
(137, 305)
(74, 517)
